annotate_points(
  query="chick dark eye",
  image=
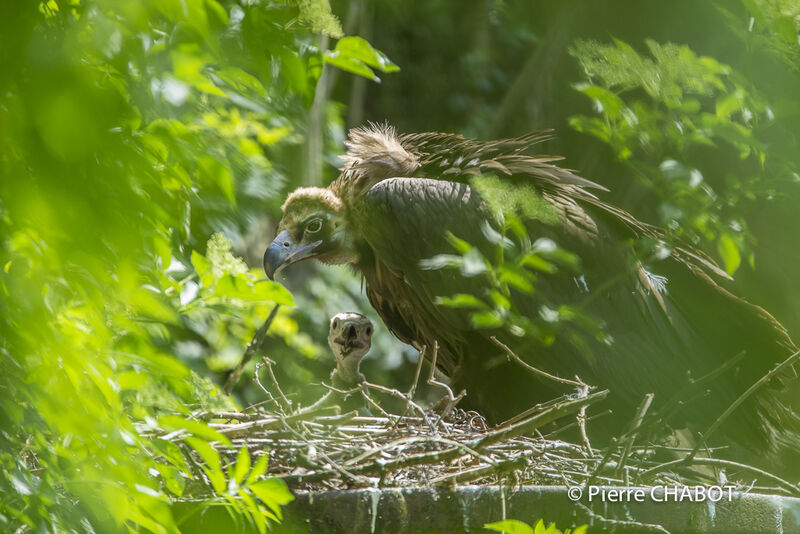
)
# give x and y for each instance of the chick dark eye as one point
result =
(369, 331)
(314, 226)
(336, 324)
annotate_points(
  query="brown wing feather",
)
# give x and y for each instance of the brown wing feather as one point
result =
(454, 155)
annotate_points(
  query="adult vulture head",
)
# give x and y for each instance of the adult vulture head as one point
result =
(401, 198)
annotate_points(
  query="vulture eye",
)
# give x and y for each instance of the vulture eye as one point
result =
(369, 330)
(336, 324)
(314, 226)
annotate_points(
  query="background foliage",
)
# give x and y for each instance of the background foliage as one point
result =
(134, 135)
(130, 133)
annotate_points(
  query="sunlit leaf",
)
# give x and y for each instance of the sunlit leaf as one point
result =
(272, 492)
(784, 27)
(517, 278)
(194, 427)
(173, 479)
(242, 81)
(218, 173)
(461, 300)
(259, 469)
(350, 64)
(441, 261)
(213, 465)
(534, 261)
(356, 55)
(729, 252)
(242, 466)
(486, 319)
(359, 49)
(510, 526)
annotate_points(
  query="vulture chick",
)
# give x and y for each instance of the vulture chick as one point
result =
(350, 338)
(668, 322)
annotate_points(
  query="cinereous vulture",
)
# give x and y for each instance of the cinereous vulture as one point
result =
(669, 320)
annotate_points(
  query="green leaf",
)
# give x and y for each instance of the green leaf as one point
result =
(219, 174)
(461, 300)
(606, 101)
(169, 128)
(461, 246)
(259, 469)
(256, 513)
(358, 48)
(272, 492)
(486, 319)
(272, 291)
(242, 466)
(533, 261)
(230, 286)
(729, 253)
(754, 9)
(354, 54)
(173, 479)
(242, 81)
(441, 261)
(785, 29)
(500, 300)
(215, 10)
(195, 427)
(293, 70)
(173, 454)
(729, 104)
(539, 528)
(517, 278)
(213, 465)
(510, 526)
(350, 64)
(131, 380)
(201, 265)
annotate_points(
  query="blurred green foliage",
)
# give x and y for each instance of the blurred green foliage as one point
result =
(130, 132)
(519, 265)
(513, 526)
(684, 102)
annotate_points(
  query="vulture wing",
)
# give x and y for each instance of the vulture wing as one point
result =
(405, 221)
(669, 321)
(457, 158)
(454, 157)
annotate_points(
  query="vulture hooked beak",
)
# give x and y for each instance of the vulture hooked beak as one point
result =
(283, 251)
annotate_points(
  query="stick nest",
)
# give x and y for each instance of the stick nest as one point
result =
(318, 448)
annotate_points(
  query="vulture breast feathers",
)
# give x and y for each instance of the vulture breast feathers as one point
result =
(666, 321)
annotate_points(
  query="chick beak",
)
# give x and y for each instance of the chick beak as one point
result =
(349, 338)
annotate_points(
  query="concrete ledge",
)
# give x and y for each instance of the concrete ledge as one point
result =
(468, 508)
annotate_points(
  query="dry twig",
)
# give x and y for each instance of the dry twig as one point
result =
(250, 351)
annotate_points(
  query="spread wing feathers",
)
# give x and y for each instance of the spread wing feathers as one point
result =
(452, 156)
(660, 333)
(376, 152)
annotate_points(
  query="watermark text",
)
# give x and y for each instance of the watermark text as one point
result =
(652, 494)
